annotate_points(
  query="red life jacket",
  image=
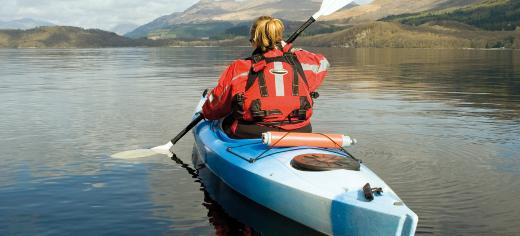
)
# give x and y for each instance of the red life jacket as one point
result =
(276, 93)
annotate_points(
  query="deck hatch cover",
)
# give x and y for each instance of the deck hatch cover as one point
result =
(323, 162)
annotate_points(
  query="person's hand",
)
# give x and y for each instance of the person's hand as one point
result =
(283, 43)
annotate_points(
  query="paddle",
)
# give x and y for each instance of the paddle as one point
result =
(327, 7)
(168, 148)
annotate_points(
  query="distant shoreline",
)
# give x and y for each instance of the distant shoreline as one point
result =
(447, 35)
(303, 47)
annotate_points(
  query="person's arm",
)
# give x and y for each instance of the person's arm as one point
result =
(315, 66)
(321, 71)
(218, 104)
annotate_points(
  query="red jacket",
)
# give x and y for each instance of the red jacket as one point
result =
(233, 81)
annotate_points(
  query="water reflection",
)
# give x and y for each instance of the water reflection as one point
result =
(480, 79)
(233, 214)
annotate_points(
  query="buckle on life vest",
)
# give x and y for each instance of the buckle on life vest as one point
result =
(238, 106)
(257, 57)
(258, 113)
(264, 113)
(301, 113)
(277, 124)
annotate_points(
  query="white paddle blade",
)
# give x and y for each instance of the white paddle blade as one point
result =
(330, 6)
(133, 154)
(165, 149)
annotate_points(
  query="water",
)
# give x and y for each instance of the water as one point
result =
(439, 126)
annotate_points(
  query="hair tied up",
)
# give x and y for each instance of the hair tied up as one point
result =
(266, 33)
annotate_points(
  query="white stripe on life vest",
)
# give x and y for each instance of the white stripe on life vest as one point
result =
(240, 75)
(278, 79)
(324, 65)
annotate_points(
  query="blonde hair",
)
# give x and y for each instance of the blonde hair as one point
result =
(266, 33)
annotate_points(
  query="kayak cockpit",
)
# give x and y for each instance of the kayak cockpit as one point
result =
(253, 150)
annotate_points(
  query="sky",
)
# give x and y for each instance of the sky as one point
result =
(101, 14)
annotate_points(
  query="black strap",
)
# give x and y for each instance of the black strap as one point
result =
(255, 58)
(264, 113)
(252, 76)
(299, 69)
(261, 83)
(279, 123)
(274, 59)
(304, 107)
(295, 84)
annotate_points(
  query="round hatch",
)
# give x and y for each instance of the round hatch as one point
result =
(322, 162)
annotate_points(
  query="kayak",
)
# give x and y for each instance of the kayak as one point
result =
(334, 202)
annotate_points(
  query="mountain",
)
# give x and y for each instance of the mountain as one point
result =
(218, 15)
(488, 15)
(231, 10)
(446, 24)
(25, 23)
(63, 37)
(381, 8)
(210, 18)
(124, 28)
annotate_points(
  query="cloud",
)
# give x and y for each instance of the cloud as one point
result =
(103, 14)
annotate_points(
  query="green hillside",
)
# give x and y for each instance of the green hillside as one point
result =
(63, 37)
(431, 35)
(489, 15)
(219, 30)
(183, 31)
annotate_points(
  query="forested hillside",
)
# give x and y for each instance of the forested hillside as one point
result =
(488, 15)
(430, 35)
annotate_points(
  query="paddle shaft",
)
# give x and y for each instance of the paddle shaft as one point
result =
(301, 29)
(192, 124)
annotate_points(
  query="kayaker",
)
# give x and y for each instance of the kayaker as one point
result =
(271, 90)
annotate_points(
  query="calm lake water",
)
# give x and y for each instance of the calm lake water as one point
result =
(441, 127)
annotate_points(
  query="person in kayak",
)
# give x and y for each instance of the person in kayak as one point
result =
(273, 90)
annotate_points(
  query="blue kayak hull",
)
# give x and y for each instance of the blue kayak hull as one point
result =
(331, 202)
